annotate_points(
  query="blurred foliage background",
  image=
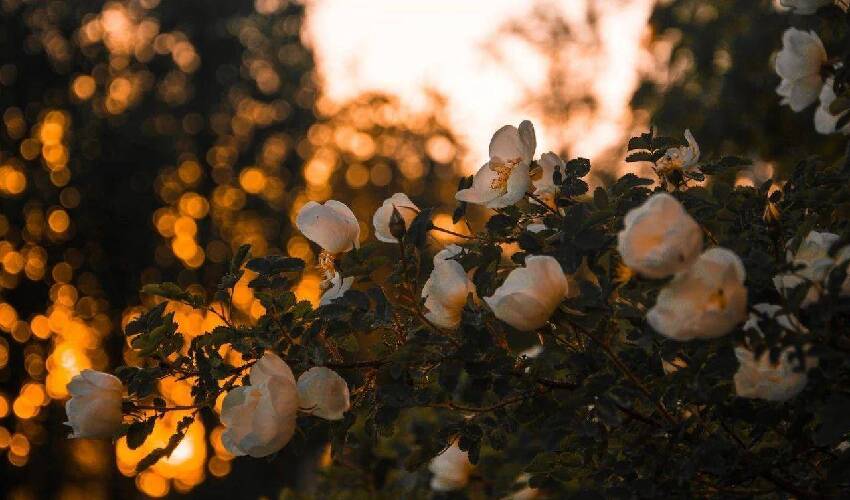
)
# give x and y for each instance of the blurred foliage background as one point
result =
(145, 140)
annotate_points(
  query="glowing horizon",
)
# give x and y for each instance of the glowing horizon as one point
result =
(405, 48)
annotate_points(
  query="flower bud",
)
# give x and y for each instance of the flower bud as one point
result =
(392, 219)
(323, 393)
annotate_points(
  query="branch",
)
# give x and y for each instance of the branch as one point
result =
(449, 231)
(631, 376)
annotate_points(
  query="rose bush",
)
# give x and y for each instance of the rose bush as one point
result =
(595, 344)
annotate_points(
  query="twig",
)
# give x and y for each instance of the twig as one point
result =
(453, 233)
(631, 376)
(541, 202)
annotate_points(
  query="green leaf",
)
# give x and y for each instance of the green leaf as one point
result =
(139, 431)
(239, 258)
(640, 156)
(417, 233)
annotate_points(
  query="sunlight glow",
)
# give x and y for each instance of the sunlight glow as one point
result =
(458, 49)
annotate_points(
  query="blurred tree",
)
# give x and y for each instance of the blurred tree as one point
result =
(121, 120)
(720, 82)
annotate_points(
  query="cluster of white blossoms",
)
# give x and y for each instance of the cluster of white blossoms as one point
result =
(528, 296)
(259, 418)
(802, 64)
(813, 265)
(706, 297)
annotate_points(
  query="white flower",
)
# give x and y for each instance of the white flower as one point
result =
(524, 493)
(451, 469)
(331, 225)
(446, 289)
(825, 122)
(813, 255)
(381, 219)
(337, 286)
(680, 158)
(706, 301)
(94, 410)
(760, 378)
(323, 393)
(804, 7)
(504, 179)
(530, 294)
(544, 183)
(659, 237)
(259, 419)
(536, 227)
(799, 65)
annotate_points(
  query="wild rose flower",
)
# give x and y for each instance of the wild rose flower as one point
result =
(760, 377)
(682, 158)
(383, 215)
(799, 65)
(451, 469)
(524, 493)
(94, 410)
(323, 393)
(331, 225)
(446, 290)
(336, 289)
(706, 301)
(504, 179)
(544, 181)
(805, 7)
(530, 294)
(825, 121)
(259, 419)
(659, 237)
(813, 256)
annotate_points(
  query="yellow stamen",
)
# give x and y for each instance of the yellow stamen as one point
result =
(669, 163)
(716, 301)
(503, 173)
(624, 273)
(326, 267)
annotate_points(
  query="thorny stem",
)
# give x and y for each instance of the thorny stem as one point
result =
(767, 474)
(481, 409)
(453, 233)
(540, 201)
(631, 376)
